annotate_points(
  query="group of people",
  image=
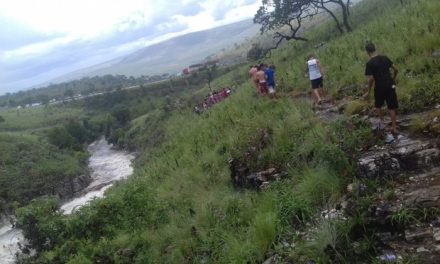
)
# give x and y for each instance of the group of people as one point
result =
(378, 73)
(263, 77)
(212, 98)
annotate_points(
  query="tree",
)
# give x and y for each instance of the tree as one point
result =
(255, 53)
(345, 9)
(60, 137)
(41, 223)
(210, 69)
(77, 131)
(69, 93)
(121, 113)
(44, 99)
(276, 14)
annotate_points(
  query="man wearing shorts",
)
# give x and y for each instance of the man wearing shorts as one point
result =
(270, 74)
(253, 75)
(316, 78)
(261, 77)
(377, 71)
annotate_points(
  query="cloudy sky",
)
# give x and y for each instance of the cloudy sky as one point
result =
(43, 39)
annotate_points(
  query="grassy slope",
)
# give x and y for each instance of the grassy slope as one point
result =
(180, 207)
(408, 36)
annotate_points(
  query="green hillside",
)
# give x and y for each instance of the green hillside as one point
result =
(180, 206)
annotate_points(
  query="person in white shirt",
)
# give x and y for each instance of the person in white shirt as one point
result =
(316, 75)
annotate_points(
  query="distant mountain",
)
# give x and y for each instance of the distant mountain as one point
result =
(173, 55)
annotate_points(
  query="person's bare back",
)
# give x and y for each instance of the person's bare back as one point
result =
(261, 76)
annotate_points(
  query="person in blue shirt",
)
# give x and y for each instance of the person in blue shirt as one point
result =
(270, 79)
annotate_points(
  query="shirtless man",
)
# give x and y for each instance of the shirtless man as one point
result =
(261, 78)
(252, 75)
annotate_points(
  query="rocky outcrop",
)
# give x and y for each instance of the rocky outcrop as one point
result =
(402, 156)
(241, 174)
(72, 187)
(242, 177)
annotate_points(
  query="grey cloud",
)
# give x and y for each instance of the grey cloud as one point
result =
(14, 35)
(24, 72)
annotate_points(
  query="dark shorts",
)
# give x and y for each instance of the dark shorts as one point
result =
(388, 95)
(317, 83)
(262, 86)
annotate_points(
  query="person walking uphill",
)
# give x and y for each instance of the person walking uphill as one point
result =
(253, 75)
(261, 78)
(270, 74)
(377, 71)
(316, 76)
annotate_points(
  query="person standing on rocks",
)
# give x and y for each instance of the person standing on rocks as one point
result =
(378, 73)
(316, 75)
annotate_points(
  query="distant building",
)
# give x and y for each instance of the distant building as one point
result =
(199, 66)
(196, 67)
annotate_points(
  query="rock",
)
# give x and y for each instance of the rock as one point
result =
(404, 154)
(378, 164)
(71, 187)
(436, 223)
(421, 249)
(267, 172)
(269, 260)
(388, 257)
(424, 197)
(333, 214)
(418, 234)
(264, 185)
(436, 234)
(436, 54)
(386, 236)
(242, 177)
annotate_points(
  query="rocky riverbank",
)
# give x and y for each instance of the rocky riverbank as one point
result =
(106, 164)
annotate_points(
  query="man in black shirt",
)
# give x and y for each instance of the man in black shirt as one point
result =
(377, 71)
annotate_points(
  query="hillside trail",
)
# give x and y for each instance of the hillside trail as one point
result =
(411, 163)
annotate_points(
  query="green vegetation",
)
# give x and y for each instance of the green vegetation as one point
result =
(386, 23)
(42, 147)
(30, 167)
(180, 205)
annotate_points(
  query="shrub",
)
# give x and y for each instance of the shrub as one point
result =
(60, 137)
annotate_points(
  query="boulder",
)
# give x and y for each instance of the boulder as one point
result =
(402, 155)
(72, 187)
(423, 197)
(436, 54)
(378, 164)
